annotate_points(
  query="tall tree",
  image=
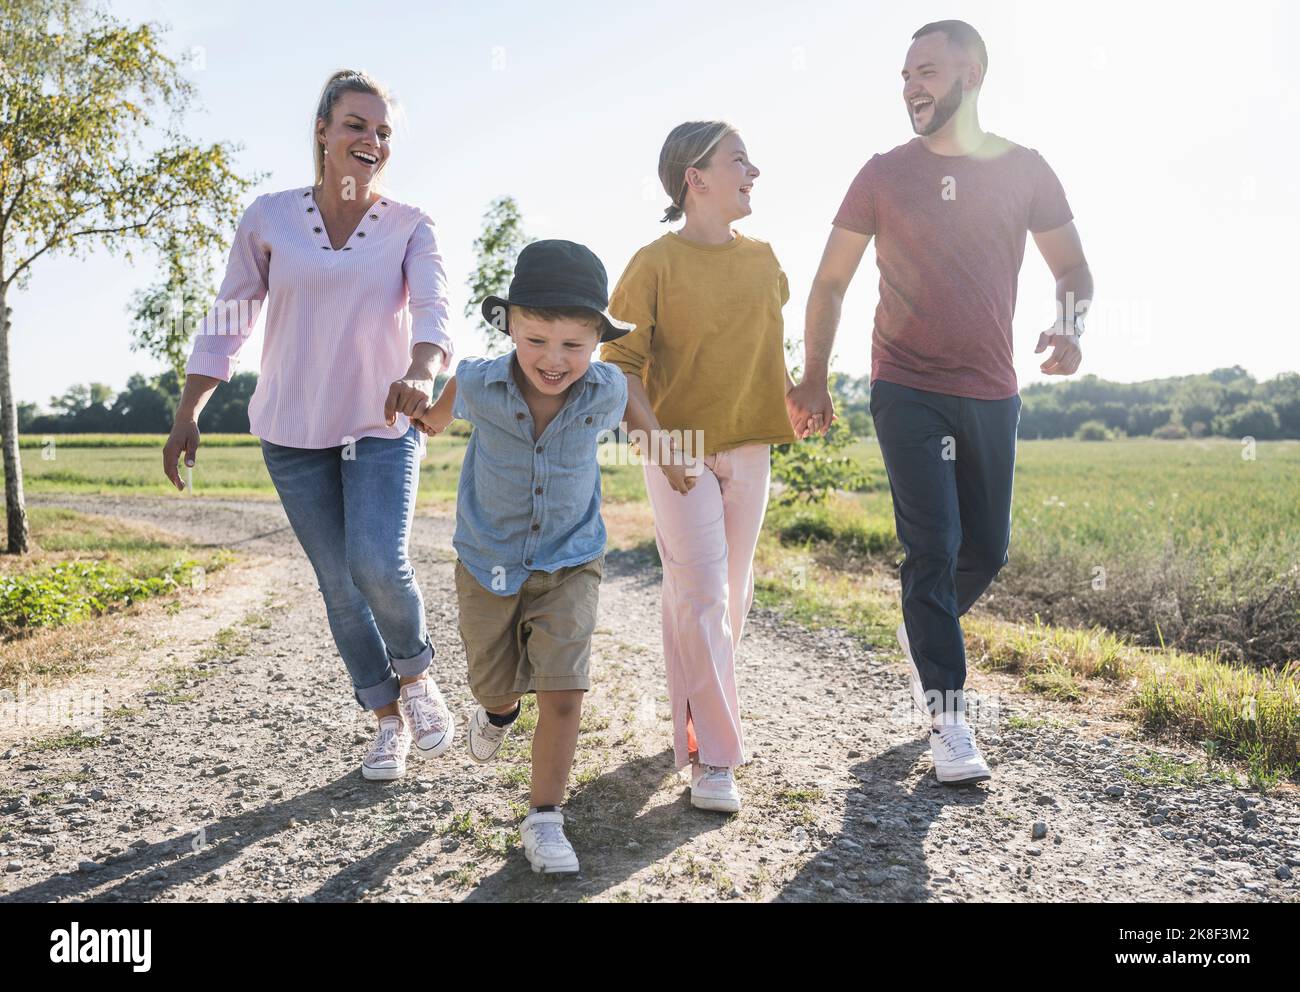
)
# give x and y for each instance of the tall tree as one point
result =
(495, 251)
(90, 157)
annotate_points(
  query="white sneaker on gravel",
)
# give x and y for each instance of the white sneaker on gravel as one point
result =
(485, 738)
(918, 690)
(428, 717)
(387, 758)
(957, 760)
(714, 788)
(545, 846)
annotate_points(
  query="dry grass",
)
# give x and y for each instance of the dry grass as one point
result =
(1246, 713)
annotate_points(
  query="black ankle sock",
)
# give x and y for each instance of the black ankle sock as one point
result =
(546, 809)
(504, 719)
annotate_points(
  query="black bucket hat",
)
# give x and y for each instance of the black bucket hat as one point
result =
(557, 273)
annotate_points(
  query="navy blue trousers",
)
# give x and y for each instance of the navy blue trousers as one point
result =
(950, 462)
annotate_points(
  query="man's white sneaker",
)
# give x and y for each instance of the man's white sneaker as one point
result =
(427, 716)
(545, 846)
(387, 758)
(918, 690)
(714, 788)
(957, 761)
(485, 738)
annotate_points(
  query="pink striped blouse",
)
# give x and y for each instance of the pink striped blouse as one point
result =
(340, 325)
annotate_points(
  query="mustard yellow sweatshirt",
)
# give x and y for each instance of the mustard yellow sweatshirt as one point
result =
(709, 343)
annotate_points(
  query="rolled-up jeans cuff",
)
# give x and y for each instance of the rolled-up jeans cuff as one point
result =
(413, 666)
(373, 697)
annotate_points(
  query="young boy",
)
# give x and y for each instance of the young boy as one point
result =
(529, 535)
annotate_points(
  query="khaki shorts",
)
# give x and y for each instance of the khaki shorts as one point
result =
(539, 639)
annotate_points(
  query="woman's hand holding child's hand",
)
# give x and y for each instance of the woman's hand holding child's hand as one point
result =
(433, 422)
(436, 417)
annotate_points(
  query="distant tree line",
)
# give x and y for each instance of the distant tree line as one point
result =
(145, 406)
(1227, 402)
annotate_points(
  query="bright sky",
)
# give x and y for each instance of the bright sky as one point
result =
(1172, 127)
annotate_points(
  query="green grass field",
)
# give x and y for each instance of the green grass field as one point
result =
(1146, 490)
(1143, 497)
(227, 465)
(1112, 505)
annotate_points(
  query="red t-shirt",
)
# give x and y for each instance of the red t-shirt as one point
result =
(950, 237)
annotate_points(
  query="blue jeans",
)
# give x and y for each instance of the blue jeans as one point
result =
(352, 512)
(950, 462)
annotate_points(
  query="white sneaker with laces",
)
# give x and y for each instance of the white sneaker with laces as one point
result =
(918, 690)
(485, 738)
(714, 788)
(427, 715)
(957, 760)
(387, 758)
(545, 846)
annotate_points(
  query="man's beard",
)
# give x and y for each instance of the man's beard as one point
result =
(944, 108)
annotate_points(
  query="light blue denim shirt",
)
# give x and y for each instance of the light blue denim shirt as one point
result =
(525, 505)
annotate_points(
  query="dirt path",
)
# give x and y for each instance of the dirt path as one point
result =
(241, 781)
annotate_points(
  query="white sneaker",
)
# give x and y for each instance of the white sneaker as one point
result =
(918, 690)
(714, 788)
(427, 715)
(545, 846)
(387, 758)
(485, 738)
(957, 761)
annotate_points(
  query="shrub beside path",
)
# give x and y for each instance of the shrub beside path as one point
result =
(236, 777)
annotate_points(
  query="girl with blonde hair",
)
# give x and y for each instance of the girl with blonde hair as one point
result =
(706, 383)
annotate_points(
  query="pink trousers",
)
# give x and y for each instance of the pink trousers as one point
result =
(706, 541)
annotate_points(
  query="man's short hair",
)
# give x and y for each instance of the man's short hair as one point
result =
(962, 35)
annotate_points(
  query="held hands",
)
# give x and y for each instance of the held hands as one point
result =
(184, 439)
(433, 422)
(411, 397)
(1066, 353)
(810, 408)
(680, 475)
(678, 478)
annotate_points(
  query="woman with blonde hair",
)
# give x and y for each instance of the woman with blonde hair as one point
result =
(706, 384)
(356, 331)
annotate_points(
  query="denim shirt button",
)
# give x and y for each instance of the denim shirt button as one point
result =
(588, 420)
(539, 449)
(537, 491)
(537, 526)
(519, 416)
(528, 561)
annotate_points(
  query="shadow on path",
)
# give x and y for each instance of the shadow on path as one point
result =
(193, 854)
(881, 840)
